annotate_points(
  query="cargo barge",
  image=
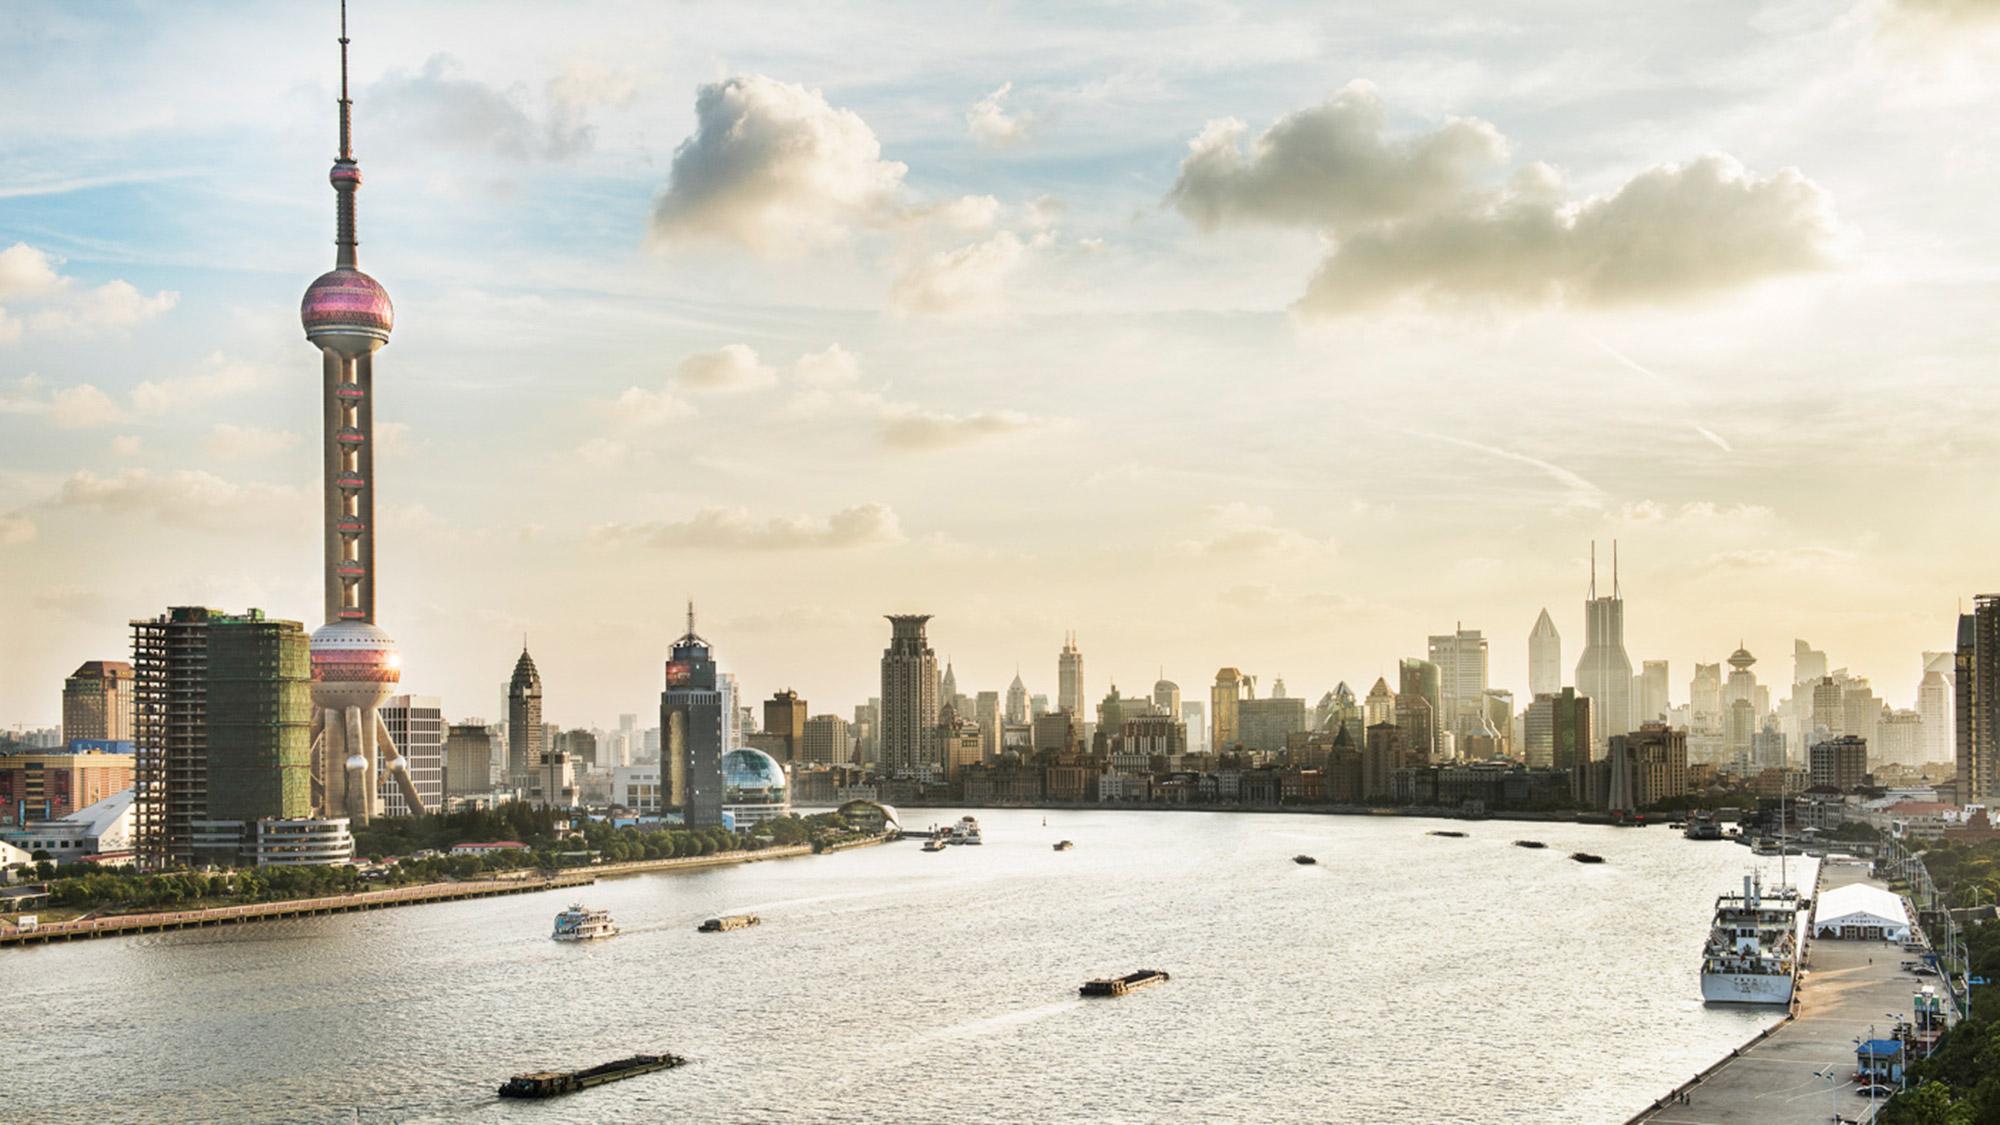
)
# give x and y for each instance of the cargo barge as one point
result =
(729, 922)
(1119, 986)
(549, 1083)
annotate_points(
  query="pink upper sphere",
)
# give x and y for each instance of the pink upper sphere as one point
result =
(347, 302)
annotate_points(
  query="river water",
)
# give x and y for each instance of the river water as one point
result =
(1405, 978)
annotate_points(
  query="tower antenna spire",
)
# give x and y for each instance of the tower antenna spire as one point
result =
(1593, 570)
(1614, 568)
(346, 137)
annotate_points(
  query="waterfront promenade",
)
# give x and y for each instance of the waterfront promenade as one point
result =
(1849, 986)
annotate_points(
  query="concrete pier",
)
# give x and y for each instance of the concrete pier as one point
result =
(1848, 987)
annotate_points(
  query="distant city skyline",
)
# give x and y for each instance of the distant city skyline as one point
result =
(1025, 339)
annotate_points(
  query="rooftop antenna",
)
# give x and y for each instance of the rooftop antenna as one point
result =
(690, 617)
(1614, 568)
(1593, 570)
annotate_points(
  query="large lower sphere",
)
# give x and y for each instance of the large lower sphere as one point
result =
(354, 664)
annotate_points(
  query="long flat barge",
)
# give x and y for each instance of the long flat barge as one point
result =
(1119, 986)
(550, 1083)
(119, 924)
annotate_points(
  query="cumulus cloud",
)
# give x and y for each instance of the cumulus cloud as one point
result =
(910, 428)
(439, 106)
(1240, 530)
(735, 529)
(1945, 14)
(968, 279)
(126, 445)
(187, 496)
(32, 276)
(230, 442)
(1670, 233)
(992, 126)
(1330, 166)
(728, 370)
(66, 408)
(644, 408)
(27, 272)
(218, 376)
(834, 367)
(771, 165)
(1419, 217)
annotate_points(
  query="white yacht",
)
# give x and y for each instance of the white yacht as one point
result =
(581, 923)
(966, 831)
(1752, 951)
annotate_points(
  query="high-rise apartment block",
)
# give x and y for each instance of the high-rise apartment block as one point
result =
(826, 741)
(222, 723)
(417, 729)
(1976, 706)
(468, 760)
(1840, 762)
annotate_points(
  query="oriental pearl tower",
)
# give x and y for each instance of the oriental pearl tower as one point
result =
(355, 666)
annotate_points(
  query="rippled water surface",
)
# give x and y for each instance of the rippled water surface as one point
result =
(1405, 978)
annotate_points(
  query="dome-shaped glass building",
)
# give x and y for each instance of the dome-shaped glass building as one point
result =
(754, 787)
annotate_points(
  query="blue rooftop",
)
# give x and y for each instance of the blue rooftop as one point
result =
(1880, 1048)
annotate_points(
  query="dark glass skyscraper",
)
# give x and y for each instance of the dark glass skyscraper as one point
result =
(1977, 683)
(691, 713)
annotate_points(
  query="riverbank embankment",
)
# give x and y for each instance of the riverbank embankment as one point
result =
(119, 925)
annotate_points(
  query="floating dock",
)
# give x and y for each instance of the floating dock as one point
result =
(729, 922)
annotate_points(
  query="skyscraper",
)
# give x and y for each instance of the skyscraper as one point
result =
(692, 725)
(468, 760)
(526, 737)
(1166, 696)
(416, 726)
(1460, 657)
(905, 745)
(1808, 663)
(1976, 708)
(1017, 700)
(1417, 709)
(785, 717)
(1653, 701)
(1545, 645)
(355, 667)
(1069, 678)
(1604, 672)
(1934, 704)
(97, 702)
(222, 718)
(1224, 699)
(1380, 706)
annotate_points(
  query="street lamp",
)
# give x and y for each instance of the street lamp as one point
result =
(1832, 1075)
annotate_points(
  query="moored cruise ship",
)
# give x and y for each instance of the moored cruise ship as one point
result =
(1752, 952)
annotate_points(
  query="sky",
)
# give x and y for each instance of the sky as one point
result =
(1265, 335)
